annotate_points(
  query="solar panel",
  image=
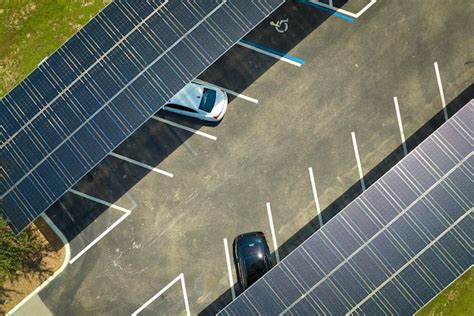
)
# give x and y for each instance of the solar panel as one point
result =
(393, 248)
(104, 83)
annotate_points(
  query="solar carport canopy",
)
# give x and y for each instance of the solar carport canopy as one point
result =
(103, 84)
(391, 250)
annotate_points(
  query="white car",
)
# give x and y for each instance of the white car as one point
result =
(200, 101)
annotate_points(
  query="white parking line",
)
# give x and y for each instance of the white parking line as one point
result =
(315, 195)
(228, 91)
(272, 229)
(185, 295)
(261, 51)
(95, 241)
(441, 92)
(229, 268)
(359, 166)
(400, 126)
(332, 7)
(141, 164)
(189, 129)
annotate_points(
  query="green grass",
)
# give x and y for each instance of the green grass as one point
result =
(32, 30)
(457, 299)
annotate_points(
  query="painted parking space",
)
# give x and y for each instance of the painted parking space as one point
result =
(294, 150)
(183, 127)
(178, 281)
(126, 213)
(328, 8)
(287, 58)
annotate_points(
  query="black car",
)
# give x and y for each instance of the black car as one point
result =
(252, 258)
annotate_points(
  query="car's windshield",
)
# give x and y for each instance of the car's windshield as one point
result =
(208, 99)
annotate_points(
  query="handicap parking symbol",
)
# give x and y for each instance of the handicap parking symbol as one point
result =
(281, 26)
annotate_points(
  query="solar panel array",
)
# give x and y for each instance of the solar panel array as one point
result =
(101, 85)
(393, 248)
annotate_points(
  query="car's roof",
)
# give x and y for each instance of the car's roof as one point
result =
(189, 96)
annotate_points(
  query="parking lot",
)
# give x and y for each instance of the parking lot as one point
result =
(148, 226)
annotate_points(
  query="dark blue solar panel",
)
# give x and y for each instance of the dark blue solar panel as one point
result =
(425, 215)
(444, 161)
(456, 182)
(322, 253)
(300, 264)
(24, 150)
(349, 284)
(16, 168)
(89, 142)
(375, 307)
(392, 256)
(30, 188)
(204, 35)
(8, 122)
(450, 136)
(451, 209)
(20, 96)
(148, 50)
(101, 75)
(245, 309)
(392, 249)
(100, 38)
(437, 265)
(284, 286)
(64, 115)
(68, 157)
(370, 267)
(416, 171)
(17, 220)
(187, 58)
(65, 69)
(409, 236)
(323, 296)
(380, 204)
(139, 9)
(129, 111)
(399, 301)
(125, 67)
(83, 100)
(42, 87)
(112, 128)
(104, 83)
(79, 52)
(361, 221)
(158, 33)
(458, 254)
(224, 17)
(394, 185)
(420, 288)
(273, 302)
(116, 19)
(46, 129)
(164, 71)
(146, 90)
(342, 237)
(56, 181)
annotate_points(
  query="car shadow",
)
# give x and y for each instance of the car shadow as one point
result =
(355, 190)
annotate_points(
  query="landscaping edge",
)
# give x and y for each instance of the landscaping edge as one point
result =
(67, 256)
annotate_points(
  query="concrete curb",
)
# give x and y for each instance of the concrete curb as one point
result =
(67, 257)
